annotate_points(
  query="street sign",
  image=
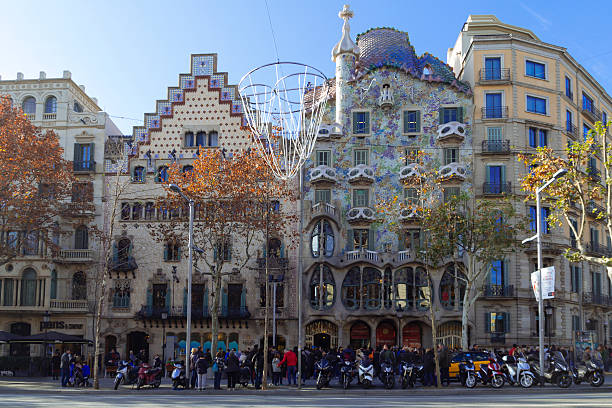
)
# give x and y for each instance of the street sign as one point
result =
(548, 283)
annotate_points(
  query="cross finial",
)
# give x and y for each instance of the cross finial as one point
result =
(346, 13)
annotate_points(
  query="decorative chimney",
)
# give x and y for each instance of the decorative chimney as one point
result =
(20, 76)
(42, 75)
(67, 75)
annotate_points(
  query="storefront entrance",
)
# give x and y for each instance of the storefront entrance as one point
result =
(360, 335)
(386, 334)
(322, 333)
(412, 336)
(137, 341)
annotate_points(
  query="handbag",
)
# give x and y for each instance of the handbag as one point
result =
(215, 368)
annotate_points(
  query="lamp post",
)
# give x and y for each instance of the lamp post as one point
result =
(164, 316)
(46, 318)
(177, 189)
(538, 237)
(548, 321)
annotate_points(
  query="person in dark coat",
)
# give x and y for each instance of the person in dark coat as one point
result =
(444, 364)
(55, 365)
(428, 368)
(258, 364)
(232, 369)
(202, 368)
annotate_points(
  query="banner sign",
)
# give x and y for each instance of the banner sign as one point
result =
(548, 283)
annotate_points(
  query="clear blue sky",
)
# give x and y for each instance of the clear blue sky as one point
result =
(128, 52)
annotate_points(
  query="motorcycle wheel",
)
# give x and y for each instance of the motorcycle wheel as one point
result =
(404, 383)
(526, 381)
(564, 380)
(470, 381)
(390, 383)
(345, 383)
(497, 381)
(597, 379)
(117, 381)
(366, 384)
(140, 383)
(319, 382)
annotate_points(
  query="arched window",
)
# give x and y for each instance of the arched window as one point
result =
(137, 211)
(123, 250)
(322, 288)
(423, 289)
(189, 139)
(371, 288)
(53, 293)
(351, 293)
(275, 248)
(149, 211)
(201, 139)
(77, 107)
(139, 174)
(387, 289)
(188, 169)
(162, 174)
(28, 287)
(79, 286)
(452, 288)
(172, 251)
(213, 139)
(125, 211)
(51, 105)
(81, 237)
(322, 239)
(29, 105)
(404, 289)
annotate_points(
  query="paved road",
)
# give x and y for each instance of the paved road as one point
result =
(304, 400)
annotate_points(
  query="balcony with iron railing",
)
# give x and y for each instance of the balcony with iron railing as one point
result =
(239, 312)
(496, 146)
(596, 248)
(494, 112)
(49, 116)
(594, 210)
(498, 291)
(496, 188)
(69, 305)
(594, 298)
(571, 130)
(594, 174)
(74, 256)
(84, 166)
(494, 75)
(591, 112)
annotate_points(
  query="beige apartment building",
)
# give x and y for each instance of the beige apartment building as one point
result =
(147, 299)
(528, 93)
(43, 290)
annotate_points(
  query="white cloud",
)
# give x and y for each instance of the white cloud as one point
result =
(543, 21)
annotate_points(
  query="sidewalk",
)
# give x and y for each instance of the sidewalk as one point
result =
(26, 385)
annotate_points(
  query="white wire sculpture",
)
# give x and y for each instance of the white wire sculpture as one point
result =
(283, 103)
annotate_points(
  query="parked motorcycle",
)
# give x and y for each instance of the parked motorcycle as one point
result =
(517, 370)
(179, 379)
(149, 376)
(467, 374)
(592, 372)
(386, 374)
(325, 372)
(347, 373)
(365, 371)
(491, 373)
(126, 374)
(410, 373)
(557, 371)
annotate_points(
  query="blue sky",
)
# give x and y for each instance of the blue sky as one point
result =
(128, 52)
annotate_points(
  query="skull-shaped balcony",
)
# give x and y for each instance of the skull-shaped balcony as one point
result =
(326, 131)
(451, 132)
(361, 174)
(410, 171)
(453, 171)
(410, 214)
(360, 214)
(323, 174)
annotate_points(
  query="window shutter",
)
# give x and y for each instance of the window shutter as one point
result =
(367, 198)
(91, 153)
(149, 297)
(579, 282)
(460, 114)
(185, 300)
(367, 122)
(243, 298)
(168, 297)
(441, 116)
(487, 322)
(282, 251)
(215, 252)
(205, 302)
(505, 271)
(224, 300)
(371, 243)
(405, 120)
(229, 250)
(115, 253)
(166, 253)
(77, 152)
(179, 251)
(349, 240)
(418, 121)
(355, 129)
(401, 241)
(506, 322)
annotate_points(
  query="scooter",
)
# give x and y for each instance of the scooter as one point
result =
(149, 376)
(467, 374)
(492, 373)
(592, 372)
(325, 372)
(557, 372)
(178, 377)
(347, 372)
(365, 371)
(386, 375)
(126, 374)
(518, 371)
(410, 373)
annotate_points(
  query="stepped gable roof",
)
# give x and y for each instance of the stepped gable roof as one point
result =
(388, 47)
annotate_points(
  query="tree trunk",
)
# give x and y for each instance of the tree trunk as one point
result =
(214, 311)
(98, 321)
(464, 315)
(434, 335)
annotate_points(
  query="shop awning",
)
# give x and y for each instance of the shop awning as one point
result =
(50, 337)
(6, 337)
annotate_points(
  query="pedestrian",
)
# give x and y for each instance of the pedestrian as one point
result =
(290, 358)
(444, 362)
(218, 368)
(276, 371)
(201, 369)
(232, 370)
(55, 365)
(428, 368)
(258, 364)
(193, 359)
(65, 367)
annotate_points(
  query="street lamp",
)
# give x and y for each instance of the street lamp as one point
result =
(177, 189)
(548, 321)
(46, 318)
(538, 237)
(164, 316)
